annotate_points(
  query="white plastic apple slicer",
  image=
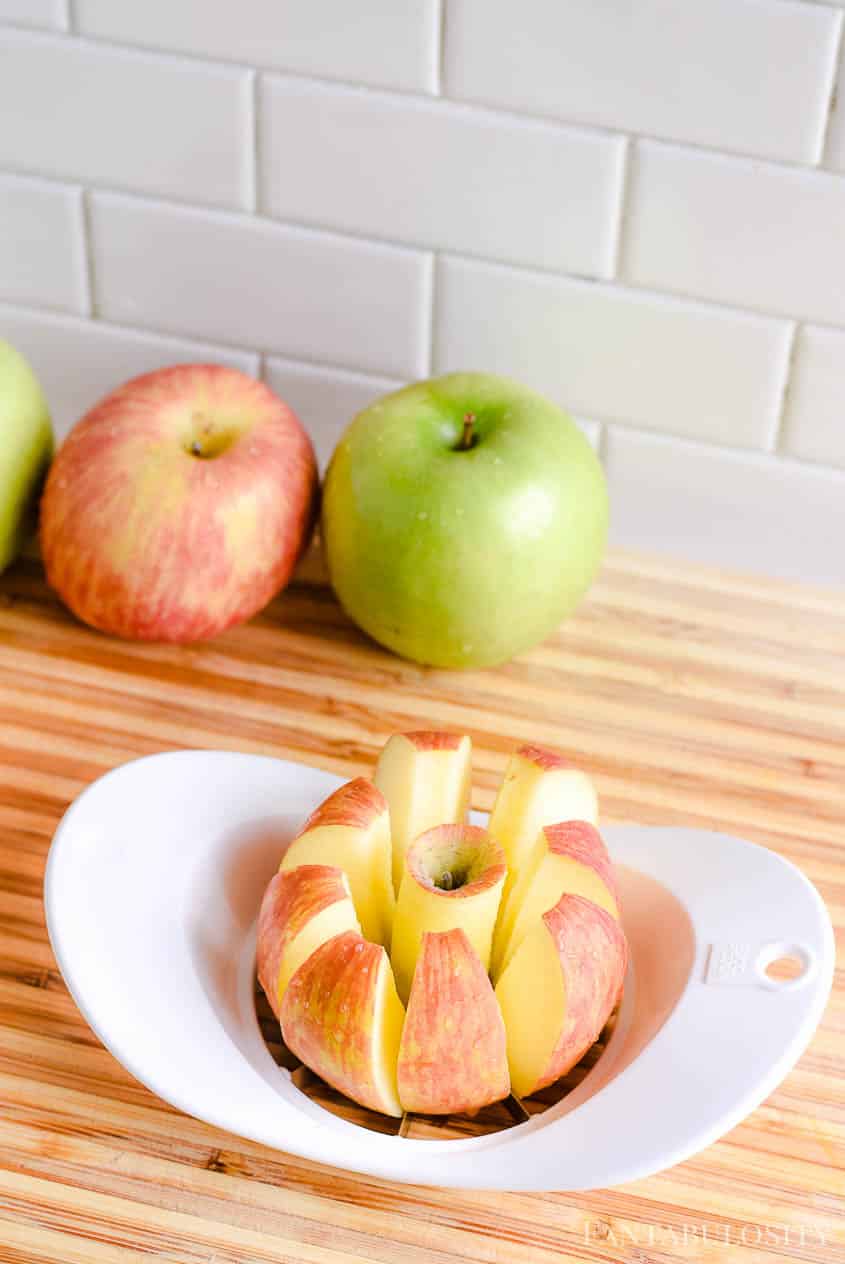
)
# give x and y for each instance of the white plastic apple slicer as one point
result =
(152, 890)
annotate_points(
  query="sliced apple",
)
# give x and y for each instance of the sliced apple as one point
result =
(425, 778)
(301, 909)
(351, 830)
(341, 1015)
(559, 989)
(453, 1054)
(569, 857)
(453, 880)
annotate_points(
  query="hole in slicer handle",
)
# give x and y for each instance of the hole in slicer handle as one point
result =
(779, 965)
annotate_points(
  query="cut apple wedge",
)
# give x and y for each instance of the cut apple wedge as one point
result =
(453, 880)
(341, 1015)
(301, 909)
(425, 778)
(567, 858)
(559, 990)
(453, 1054)
(351, 831)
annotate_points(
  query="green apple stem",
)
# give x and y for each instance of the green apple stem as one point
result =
(467, 438)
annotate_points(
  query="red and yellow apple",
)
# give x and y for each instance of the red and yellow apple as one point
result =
(179, 505)
(452, 881)
(559, 990)
(558, 954)
(301, 909)
(453, 1055)
(426, 779)
(351, 830)
(342, 1017)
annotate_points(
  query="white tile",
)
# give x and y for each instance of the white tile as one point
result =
(324, 399)
(736, 74)
(742, 511)
(616, 354)
(79, 361)
(126, 119)
(237, 279)
(591, 430)
(762, 236)
(42, 247)
(435, 174)
(49, 14)
(834, 155)
(814, 422)
(380, 42)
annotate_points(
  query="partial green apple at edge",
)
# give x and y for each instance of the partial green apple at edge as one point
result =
(26, 446)
(463, 519)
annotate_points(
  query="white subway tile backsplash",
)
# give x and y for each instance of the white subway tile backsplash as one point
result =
(759, 235)
(78, 361)
(324, 399)
(616, 354)
(454, 177)
(246, 281)
(835, 147)
(48, 14)
(739, 510)
(379, 42)
(129, 120)
(814, 422)
(739, 74)
(42, 248)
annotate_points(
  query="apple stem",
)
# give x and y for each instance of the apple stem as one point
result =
(446, 882)
(467, 438)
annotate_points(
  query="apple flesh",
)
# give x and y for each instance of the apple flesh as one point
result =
(301, 909)
(425, 778)
(179, 505)
(26, 445)
(463, 518)
(351, 830)
(453, 881)
(453, 1054)
(569, 857)
(559, 989)
(539, 788)
(341, 1016)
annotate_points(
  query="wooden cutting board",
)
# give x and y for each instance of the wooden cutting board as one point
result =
(692, 696)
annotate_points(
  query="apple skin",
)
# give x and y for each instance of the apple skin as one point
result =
(341, 1016)
(26, 446)
(462, 558)
(453, 1054)
(179, 505)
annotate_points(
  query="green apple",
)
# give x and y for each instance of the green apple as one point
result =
(26, 445)
(463, 518)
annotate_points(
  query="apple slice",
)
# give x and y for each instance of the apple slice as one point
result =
(425, 778)
(342, 1017)
(453, 880)
(453, 1055)
(351, 830)
(559, 990)
(569, 857)
(301, 909)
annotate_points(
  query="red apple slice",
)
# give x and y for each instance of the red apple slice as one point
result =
(301, 909)
(351, 830)
(342, 1017)
(425, 778)
(453, 1056)
(559, 990)
(453, 879)
(569, 857)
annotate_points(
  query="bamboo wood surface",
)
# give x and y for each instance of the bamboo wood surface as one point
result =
(691, 695)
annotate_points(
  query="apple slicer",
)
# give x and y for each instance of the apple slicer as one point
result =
(152, 891)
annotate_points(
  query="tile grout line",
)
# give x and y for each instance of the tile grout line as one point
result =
(777, 437)
(69, 17)
(623, 199)
(253, 170)
(832, 92)
(88, 248)
(432, 305)
(439, 44)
